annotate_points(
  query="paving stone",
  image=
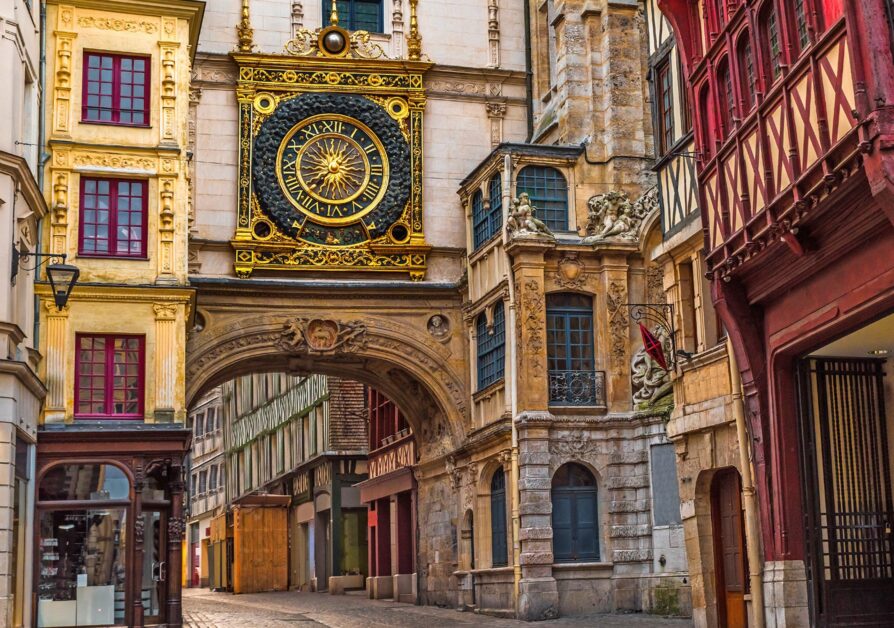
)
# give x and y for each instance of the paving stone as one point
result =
(204, 609)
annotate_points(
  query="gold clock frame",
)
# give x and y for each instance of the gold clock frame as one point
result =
(397, 85)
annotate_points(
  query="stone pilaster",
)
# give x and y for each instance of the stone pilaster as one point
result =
(165, 360)
(166, 231)
(59, 213)
(532, 378)
(168, 52)
(57, 337)
(538, 595)
(62, 83)
(617, 296)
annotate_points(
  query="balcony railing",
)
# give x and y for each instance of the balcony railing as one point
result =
(577, 388)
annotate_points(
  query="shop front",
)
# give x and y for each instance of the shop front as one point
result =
(390, 495)
(109, 527)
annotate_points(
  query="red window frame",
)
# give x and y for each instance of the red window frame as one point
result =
(665, 97)
(747, 74)
(117, 89)
(115, 213)
(107, 379)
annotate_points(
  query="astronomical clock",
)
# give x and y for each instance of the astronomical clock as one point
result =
(330, 164)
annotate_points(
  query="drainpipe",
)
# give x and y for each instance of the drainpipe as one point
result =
(749, 501)
(513, 385)
(42, 158)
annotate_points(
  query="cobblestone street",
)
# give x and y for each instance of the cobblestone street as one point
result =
(203, 609)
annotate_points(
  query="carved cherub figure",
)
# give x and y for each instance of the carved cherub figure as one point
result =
(523, 218)
(611, 215)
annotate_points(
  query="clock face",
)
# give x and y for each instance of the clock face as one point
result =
(332, 169)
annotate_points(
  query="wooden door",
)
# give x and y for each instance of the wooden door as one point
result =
(729, 549)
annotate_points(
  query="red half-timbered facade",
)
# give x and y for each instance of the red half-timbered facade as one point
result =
(793, 113)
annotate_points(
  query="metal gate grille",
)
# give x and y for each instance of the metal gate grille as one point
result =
(852, 469)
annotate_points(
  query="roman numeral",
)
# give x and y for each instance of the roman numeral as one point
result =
(332, 126)
(293, 184)
(376, 170)
(371, 190)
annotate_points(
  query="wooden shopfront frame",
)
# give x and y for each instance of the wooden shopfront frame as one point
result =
(156, 452)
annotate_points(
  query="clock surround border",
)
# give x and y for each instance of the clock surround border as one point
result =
(285, 76)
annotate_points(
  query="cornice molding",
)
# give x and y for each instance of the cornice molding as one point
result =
(191, 10)
(18, 169)
(128, 294)
(24, 374)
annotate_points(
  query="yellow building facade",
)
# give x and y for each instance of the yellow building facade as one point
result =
(117, 184)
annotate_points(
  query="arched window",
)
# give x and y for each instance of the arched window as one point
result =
(746, 73)
(491, 347)
(499, 547)
(575, 516)
(570, 350)
(727, 96)
(769, 24)
(495, 195)
(549, 194)
(480, 224)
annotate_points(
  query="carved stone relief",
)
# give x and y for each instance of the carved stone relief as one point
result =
(322, 336)
(618, 325)
(612, 216)
(571, 273)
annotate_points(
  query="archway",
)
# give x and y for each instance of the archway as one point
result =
(391, 346)
(420, 370)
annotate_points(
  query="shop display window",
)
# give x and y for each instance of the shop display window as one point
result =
(82, 567)
(82, 547)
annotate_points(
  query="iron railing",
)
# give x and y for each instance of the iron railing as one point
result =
(577, 388)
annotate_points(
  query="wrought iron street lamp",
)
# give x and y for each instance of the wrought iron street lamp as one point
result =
(62, 276)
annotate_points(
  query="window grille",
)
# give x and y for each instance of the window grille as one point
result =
(113, 218)
(491, 348)
(109, 376)
(116, 89)
(549, 194)
(357, 15)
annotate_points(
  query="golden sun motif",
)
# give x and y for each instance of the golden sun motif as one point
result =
(334, 168)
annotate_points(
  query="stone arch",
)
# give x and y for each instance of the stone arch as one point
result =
(408, 365)
(704, 559)
(483, 513)
(603, 525)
